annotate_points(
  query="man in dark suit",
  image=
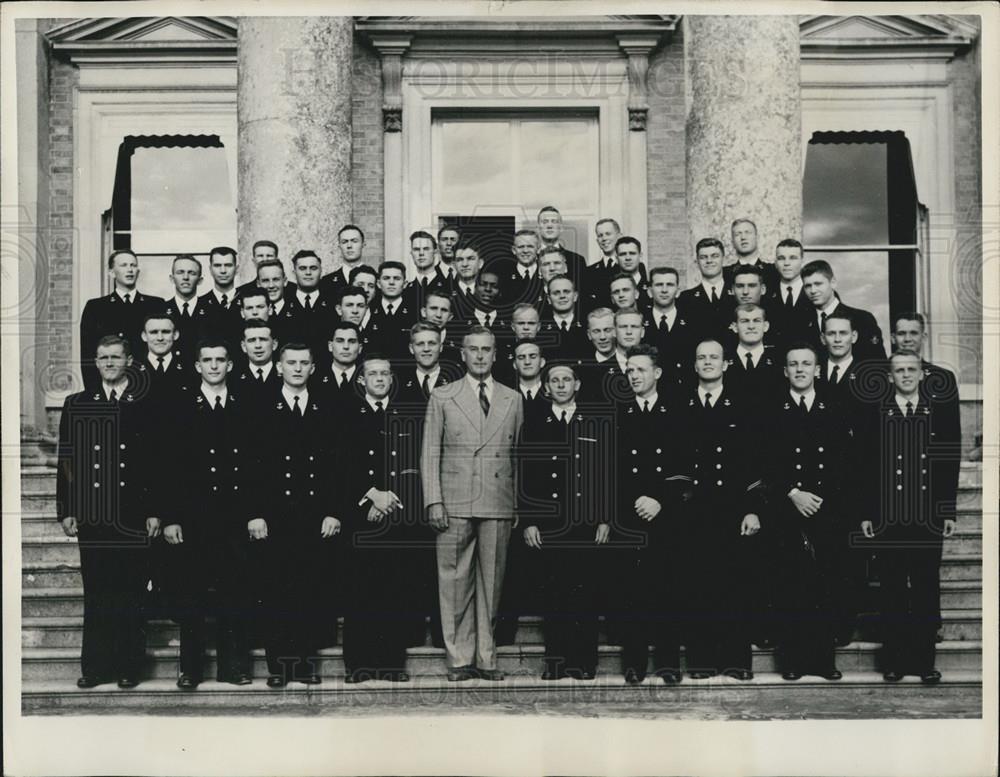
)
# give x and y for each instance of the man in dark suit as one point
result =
(428, 277)
(106, 505)
(628, 252)
(602, 372)
(724, 522)
(339, 382)
(262, 251)
(938, 385)
(121, 313)
(789, 309)
(205, 526)
(562, 330)
(597, 277)
(351, 244)
(164, 370)
(709, 305)
(380, 447)
(652, 478)
(301, 509)
(309, 312)
(567, 510)
(393, 313)
(820, 285)
(812, 475)
(220, 301)
(755, 372)
(436, 310)
(485, 301)
(257, 380)
(746, 248)
(669, 331)
(550, 230)
(521, 283)
(193, 319)
(448, 238)
(271, 279)
(911, 496)
(524, 325)
(467, 264)
(839, 370)
(353, 308)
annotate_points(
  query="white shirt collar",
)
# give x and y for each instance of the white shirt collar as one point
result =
(757, 351)
(830, 364)
(211, 392)
(266, 369)
(191, 303)
(658, 313)
(828, 309)
(371, 401)
(717, 284)
(901, 402)
(366, 319)
(527, 272)
(108, 387)
(230, 295)
(810, 396)
(466, 288)
(122, 292)
(167, 358)
(338, 371)
(716, 393)
(600, 358)
(486, 317)
(621, 357)
(640, 402)
(796, 286)
(396, 305)
(313, 296)
(533, 387)
(474, 382)
(433, 374)
(569, 409)
(430, 273)
(560, 317)
(302, 394)
(279, 305)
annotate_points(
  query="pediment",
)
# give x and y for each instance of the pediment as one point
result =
(928, 37)
(153, 29)
(886, 27)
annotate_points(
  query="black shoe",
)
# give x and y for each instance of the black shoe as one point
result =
(832, 674)
(633, 677)
(764, 643)
(671, 678)
(739, 674)
(461, 673)
(701, 675)
(240, 679)
(127, 682)
(90, 682)
(842, 640)
(310, 679)
(791, 676)
(492, 675)
(933, 677)
(892, 676)
(187, 683)
(586, 674)
(276, 681)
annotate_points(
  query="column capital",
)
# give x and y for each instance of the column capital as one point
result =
(391, 49)
(637, 47)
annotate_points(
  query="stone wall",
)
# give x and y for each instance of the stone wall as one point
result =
(367, 174)
(668, 229)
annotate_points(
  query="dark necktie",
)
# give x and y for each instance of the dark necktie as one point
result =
(113, 397)
(822, 322)
(564, 325)
(390, 310)
(645, 406)
(664, 327)
(563, 418)
(184, 311)
(835, 375)
(803, 406)
(468, 294)
(225, 302)
(715, 296)
(343, 381)
(128, 298)
(708, 400)
(527, 395)
(484, 401)
(159, 365)
(426, 386)
(789, 299)
(309, 304)
(379, 410)
(423, 283)
(909, 409)
(295, 405)
(218, 403)
(749, 361)
(260, 374)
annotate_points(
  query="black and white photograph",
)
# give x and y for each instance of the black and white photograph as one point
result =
(500, 387)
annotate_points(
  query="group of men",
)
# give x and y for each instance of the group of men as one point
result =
(500, 436)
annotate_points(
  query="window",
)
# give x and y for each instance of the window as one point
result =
(507, 166)
(171, 196)
(861, 214)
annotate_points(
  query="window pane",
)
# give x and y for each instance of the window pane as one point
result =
(475, 165)
(844, 197)
(862, 281)
(558, 165)
(181, 200)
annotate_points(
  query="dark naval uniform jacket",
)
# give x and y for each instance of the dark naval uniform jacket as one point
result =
(111, 315)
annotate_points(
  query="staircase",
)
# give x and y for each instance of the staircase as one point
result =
(52, 617)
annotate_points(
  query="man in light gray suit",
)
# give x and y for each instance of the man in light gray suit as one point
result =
(469, 470)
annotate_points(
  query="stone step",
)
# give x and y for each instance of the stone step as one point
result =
(962, 595)
(65, 630)
(766, 697)
(54, 664)
(962, 567)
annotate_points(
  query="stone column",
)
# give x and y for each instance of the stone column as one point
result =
(744, 127)
(294, 113)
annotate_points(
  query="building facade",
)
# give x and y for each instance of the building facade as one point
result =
(859, 135)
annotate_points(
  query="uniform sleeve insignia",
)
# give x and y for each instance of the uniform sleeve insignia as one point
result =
(852, 376)
(97, 397)
(200, 399)
(891, 412)
(548, 420)
(631, 410)
(787, 406)
(690, 403)
(822, 406)
(364, 410)
(682, 322)
(663, 409)
(314, 407)
(280, 406)
(725, 402)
